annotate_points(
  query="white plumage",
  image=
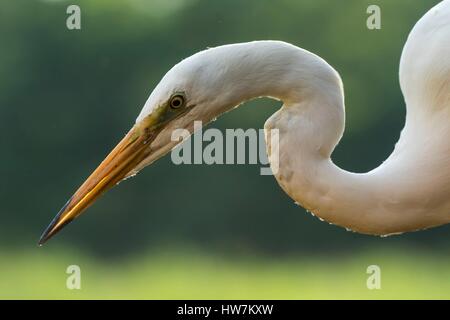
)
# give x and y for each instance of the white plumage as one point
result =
(409, 191)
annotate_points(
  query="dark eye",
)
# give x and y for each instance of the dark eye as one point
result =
(177, 101)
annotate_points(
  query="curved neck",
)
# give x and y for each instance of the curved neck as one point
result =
(308, 86)
(311, 123)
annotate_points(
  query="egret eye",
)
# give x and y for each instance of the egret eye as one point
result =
(177, 101)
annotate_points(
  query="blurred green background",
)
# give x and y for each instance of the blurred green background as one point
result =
(191, 231)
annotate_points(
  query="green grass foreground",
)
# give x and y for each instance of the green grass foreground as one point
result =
(189, 274)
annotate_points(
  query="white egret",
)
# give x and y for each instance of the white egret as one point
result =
(409, 191)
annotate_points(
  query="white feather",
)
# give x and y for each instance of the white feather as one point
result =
(409, 191)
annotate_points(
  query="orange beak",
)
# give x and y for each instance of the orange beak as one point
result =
(117, 166)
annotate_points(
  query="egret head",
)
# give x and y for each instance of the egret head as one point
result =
(199, 88)
(188, 92)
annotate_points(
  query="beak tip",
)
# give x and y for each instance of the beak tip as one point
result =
(53, 227)
(46, 235)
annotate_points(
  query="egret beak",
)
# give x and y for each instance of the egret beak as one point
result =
(117, 166)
